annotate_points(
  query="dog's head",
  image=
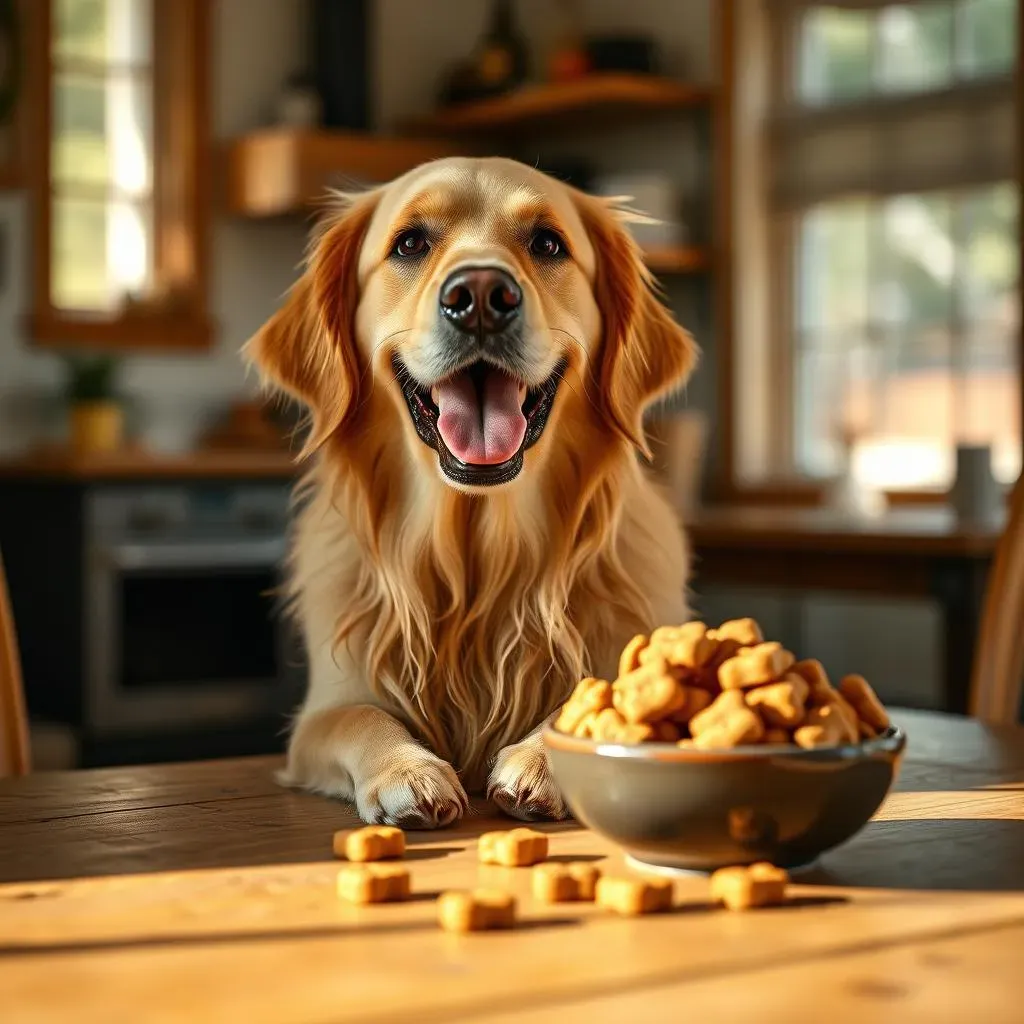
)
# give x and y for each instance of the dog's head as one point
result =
(476, 299)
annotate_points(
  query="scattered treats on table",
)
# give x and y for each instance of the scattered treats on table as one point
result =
(631, 896)
(476, 911)
(565, 883)
(516, 848)
(716, 688)
(745, 888)
(373, 883)
(374, 842)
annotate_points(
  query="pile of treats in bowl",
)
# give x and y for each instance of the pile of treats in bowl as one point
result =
(366, 880)
(718, 688)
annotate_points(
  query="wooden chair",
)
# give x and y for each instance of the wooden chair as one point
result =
(14, 747)
(998, 674)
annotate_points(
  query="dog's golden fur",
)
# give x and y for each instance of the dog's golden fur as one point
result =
(447, 619)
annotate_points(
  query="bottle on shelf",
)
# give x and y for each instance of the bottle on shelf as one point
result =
(501, 62)
(568, 59)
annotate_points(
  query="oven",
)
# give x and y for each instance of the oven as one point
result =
(181, 608)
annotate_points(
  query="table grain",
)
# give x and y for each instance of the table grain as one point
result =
(203, 892)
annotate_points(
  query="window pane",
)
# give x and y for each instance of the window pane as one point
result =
(836, 55)
(101, 253)
(935, 373)
(989, 399)
(990, 279)
(832, 266)
(102, 132)
(836, 387)
(915, 47)
(79, 130)
(913, 275)
(988, 34)
(107, 31)
(906, 442)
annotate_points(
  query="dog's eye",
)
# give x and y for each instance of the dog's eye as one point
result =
(547, 243)
(411, 243)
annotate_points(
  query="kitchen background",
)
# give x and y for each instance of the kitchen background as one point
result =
(135, 579)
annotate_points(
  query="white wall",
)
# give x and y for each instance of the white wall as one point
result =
(257, 44)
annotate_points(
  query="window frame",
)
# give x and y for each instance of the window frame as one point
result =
(745, 24)
(180, 193)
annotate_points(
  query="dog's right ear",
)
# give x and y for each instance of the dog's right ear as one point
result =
(308, 347)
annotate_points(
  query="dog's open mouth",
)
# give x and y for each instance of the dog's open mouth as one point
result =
(480, 421)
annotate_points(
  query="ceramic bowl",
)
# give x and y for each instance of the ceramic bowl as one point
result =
(677, 807)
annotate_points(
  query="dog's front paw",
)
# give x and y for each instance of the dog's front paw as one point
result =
(521, 784)
(416, 790)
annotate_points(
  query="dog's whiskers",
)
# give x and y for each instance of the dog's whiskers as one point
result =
(368, 369)
(589, 373)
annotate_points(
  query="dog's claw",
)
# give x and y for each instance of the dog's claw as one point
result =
(528, 807)
(521, 785)
(423, 795)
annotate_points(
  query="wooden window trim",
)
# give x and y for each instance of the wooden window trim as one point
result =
(181, 198)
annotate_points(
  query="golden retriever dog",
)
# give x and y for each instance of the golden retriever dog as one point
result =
(476, 344)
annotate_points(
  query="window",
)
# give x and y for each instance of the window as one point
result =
(120, 216)
(906, 334)
(892, 214)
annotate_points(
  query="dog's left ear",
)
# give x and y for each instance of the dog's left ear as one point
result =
(308, 347)
(644, 353)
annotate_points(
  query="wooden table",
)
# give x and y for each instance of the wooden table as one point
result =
(203, 892)
(922, 553)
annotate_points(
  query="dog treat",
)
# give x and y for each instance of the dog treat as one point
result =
(630, 658)
(687, 646)
(373, 883)
(864, 702)
(826, 726)
(590, 696)
(633, 896)
(847, 713)
(728, 722)
(564, 883)
(754, 666)
(476, 911)
(780, 705)
(374, 842)
(721, 687)
(609, 726)
(741, 632)
(814, 674)
(744, 888)
(865, 731)
(516, 848)
(697, 699)
(665, 732)
(648, 694)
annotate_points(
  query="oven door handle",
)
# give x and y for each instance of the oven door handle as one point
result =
(244, 554)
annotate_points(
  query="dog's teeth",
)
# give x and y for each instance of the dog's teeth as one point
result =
(434, 393)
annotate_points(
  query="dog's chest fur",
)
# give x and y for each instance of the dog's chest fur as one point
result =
(469, 623)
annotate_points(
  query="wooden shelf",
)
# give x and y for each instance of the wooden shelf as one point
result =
(285, 171)
(58, 463)
(672, 260)
(598, 96)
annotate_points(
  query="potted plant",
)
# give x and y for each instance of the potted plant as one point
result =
(95, 414)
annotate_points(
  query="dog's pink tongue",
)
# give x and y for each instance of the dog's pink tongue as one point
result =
(481, 429)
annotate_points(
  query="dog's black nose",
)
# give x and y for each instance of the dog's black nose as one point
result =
(481, 298)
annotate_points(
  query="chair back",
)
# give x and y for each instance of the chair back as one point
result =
(998, 674)
(14, 747)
